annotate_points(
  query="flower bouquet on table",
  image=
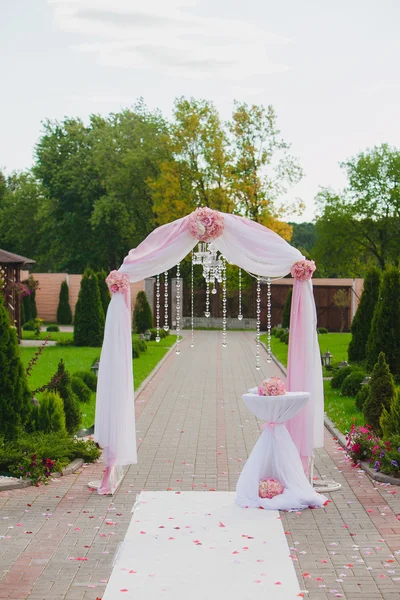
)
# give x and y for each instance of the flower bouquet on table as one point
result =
(272, 387)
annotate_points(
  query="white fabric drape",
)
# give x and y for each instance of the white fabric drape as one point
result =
(276, 456)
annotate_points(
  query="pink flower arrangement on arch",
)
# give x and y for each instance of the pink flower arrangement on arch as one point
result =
(269, 488)
(117, 282)
(303, 270)
(206, 224)
(272, 387)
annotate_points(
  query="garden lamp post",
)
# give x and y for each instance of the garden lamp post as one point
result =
(327, 359)
(95, 367)
(366, 380)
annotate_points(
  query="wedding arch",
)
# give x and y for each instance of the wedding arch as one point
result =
(248, 245)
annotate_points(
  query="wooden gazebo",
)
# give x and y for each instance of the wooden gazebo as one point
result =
(10, 276)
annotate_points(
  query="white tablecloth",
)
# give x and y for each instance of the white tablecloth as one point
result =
(276, 456)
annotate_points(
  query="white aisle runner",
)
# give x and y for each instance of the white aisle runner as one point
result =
(201, 546)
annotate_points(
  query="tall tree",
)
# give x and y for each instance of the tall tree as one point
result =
(64, 313)
(89, 313)
(384, 334)
(362, 320)
(263, 168)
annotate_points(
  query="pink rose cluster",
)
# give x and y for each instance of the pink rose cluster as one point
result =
(272, 387)
(269, 488)
(206, 224)
(117, 282)
(303, 270)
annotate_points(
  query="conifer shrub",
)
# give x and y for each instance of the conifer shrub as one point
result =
(339, 377)
(351, 384)
(287, 309)
(322, 330)
(15, 405)
(390, 419)
(142, 315)
(382, 392)
(52, 328)
(81, 390)
(385, 328)
(71, 403)
(64, 313)
(89, 378)
(50, 414)
(89, 314)
(361, 323)
(103, 289)
(362, 396)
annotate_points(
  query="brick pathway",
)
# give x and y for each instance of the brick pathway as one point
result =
(194, 432)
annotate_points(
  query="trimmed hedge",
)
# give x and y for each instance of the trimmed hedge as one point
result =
(53, 328)
(351, 385)
(80, 388)
(88, 377)
(339, 377)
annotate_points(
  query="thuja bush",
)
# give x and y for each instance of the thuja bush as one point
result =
(339, 377)
(64, 313)
(80, 388)
(385, 328)
(287, 309)
(381, 394)
(390, 419)
(362, 396)
(352, 383)
(89, 378)
(103, 289)
(15, 403)
(89, 314)
(142, 315)
(361, 323)
(71, 404)
(51, 414)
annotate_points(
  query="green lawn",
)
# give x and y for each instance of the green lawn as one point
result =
(336, 343)
(81, 359)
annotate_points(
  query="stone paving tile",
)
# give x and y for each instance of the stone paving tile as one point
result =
(195, 433)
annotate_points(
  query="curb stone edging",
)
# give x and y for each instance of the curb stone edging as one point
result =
(375, 476)
(23, 483)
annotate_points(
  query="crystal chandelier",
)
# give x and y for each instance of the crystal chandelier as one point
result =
(213, 266)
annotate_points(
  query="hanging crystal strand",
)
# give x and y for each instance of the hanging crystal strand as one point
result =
(269, 355)
(166, 326)
(207, 311)
(240, 316)
(158, 308)
(192, 305)
(178, 307)
(258, 367)
(224, 344)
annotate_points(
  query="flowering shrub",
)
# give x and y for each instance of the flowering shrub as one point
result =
(206, 224)
(33, 468)
(360, 442)
(303, 270)
(272, 387)
(269, 488)
(385, 456)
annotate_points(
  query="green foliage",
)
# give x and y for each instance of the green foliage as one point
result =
(103, 289)
(80, 388)
(285, 337)
(89, 314)
(142, 315)
(162, 333)
(53, 446)
(303, 236)
(64, 313)
(286, 309)
(351, 385)
(362, 396)
(53, 328)
(385, 327)
(382, 393)
(340, 376)
(361, 325)
(50, 414)
(71, 405)
(14, 394)
(390, 419)
(322, 330)
(279, 333)
(137, 348)
(89, 378)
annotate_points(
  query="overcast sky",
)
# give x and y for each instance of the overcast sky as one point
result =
(330, 69)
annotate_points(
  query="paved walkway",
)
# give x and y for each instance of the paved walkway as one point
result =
(195, 433)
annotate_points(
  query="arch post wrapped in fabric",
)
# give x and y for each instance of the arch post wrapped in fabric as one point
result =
(248, 245)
